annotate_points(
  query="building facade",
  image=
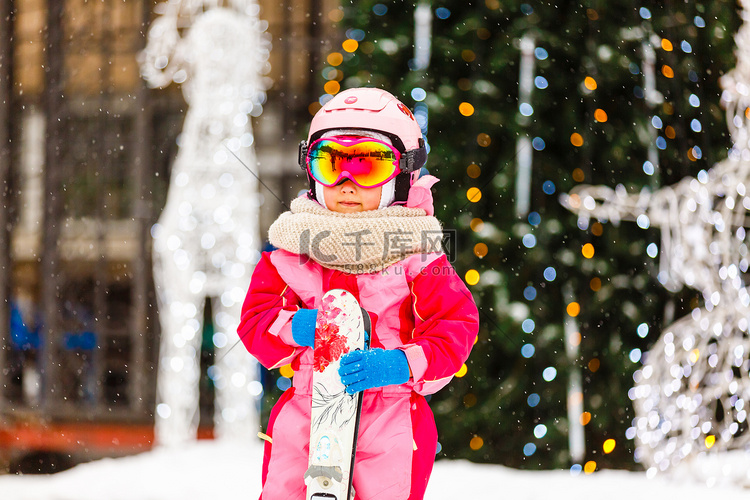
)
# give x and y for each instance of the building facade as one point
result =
(86, 152)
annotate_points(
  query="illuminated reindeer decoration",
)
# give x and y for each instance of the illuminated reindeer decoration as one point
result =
(206, 241)
(693, 393)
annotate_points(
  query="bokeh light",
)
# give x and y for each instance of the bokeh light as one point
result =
(332, 87)
(335, 58)
(350, 45)
(528, 325)
(588, 250)
(589, 467)
(473, 170)
(286, 371)
(550, 273)
(540, 431)
(466, 109)
(529, 240)
(594, 364)
(710, 441)
(480, 250)
(336, 15)
(476, 443)
(573, 309)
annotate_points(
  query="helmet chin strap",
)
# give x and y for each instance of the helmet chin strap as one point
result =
(388, 192)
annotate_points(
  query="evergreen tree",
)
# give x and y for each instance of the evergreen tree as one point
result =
(588, 120)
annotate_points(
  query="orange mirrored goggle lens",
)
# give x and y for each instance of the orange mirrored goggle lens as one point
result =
(365, 161)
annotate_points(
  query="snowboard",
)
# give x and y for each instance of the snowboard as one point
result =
(340, 328)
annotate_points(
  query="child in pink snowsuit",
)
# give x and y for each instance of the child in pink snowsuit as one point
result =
(365, 226)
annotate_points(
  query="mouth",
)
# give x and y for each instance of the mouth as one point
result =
(349, 203)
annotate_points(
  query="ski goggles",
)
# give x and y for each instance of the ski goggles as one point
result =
(365, 161)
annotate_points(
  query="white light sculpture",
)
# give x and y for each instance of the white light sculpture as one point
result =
(206, 242)
(692, 395)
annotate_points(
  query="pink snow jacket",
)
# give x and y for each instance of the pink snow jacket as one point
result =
(419, 305)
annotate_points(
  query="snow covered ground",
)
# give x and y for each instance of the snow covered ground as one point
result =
(228, 471)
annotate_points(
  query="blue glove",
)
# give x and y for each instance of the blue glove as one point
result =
(303, 327)
(360, 370)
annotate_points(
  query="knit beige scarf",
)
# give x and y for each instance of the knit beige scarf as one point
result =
(357, 243)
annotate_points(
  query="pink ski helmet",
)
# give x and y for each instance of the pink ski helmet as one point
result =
(375, 110)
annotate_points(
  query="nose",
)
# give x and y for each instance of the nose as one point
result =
(347, 186)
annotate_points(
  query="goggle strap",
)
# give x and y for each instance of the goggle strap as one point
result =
(412, 160)
(302, 155)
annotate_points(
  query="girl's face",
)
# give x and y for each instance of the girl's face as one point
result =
(347, 197)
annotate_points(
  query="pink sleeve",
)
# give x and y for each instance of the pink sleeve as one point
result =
(445, 328)
(265, 322)
(282, 327)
